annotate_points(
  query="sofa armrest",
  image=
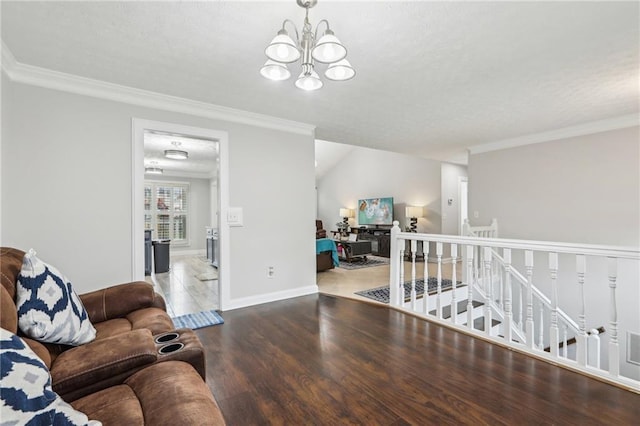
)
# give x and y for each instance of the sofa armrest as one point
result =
(102, 363)
(120, 300)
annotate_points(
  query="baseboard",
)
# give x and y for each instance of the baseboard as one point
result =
(176, 252)
(270, 297)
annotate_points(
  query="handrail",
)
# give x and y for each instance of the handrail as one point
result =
(549, 246)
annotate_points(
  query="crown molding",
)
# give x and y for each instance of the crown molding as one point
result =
(50, 79)
(615, 123)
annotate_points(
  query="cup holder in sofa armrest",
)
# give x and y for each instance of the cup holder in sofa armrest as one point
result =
(167, 337)
(173, 347)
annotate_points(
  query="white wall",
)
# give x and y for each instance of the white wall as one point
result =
(66, 191)
(368, 173)
(199, 211)
(583, 190)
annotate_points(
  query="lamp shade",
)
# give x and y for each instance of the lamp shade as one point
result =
(346, 212)
(413, 211)
(282, 48)
(328, 49)
(340, 71)
(310, 81)
(275, 71)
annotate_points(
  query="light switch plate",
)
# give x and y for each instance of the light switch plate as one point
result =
(234, 216)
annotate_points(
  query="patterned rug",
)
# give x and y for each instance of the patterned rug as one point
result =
(382, 294)
(359, 263)
(198, 320)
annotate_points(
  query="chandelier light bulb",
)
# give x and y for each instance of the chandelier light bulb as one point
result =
(340, 71)
(328, 49)
(275, 71)
(282, 48)
(309, 81)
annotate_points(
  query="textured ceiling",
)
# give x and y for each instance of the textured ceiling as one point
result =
(202, 155)
(432, 77)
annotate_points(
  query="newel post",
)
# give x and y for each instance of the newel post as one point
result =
(394, 267)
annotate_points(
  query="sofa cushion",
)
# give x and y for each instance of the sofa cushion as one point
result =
(166, 393)
(48, 308)
(26, 396)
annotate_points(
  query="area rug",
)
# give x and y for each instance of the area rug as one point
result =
(382, 294)
(359, 263)
(207, 276)
(198, 320)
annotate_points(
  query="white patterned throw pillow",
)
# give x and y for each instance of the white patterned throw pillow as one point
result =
(48, 308)
(26, 397)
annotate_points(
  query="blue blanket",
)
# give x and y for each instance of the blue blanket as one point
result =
(325, 244)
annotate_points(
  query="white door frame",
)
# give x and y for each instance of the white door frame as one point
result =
(137, 197)
(462, 194)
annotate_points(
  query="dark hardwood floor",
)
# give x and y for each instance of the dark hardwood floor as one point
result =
(329, 361)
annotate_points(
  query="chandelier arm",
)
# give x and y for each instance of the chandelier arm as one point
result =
(295, 29)
(318, 26)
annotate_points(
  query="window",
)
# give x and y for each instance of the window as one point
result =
(166, 211)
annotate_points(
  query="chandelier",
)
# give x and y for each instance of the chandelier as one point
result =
(327, 50)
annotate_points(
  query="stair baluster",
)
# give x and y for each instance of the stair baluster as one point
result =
(470, 250)
(564, 340)
(439, 278)
(454, 281)
(541, 329)
(487, 305)
(520, 313)
(425, 297)
(508, 315)
(614, 348)
(528, 262)
(581, 338)
(414, 248)
(401, 300)
(554, 335)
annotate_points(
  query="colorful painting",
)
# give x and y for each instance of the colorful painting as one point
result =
(375, 211)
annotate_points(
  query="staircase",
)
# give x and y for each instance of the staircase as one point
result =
(509, 292)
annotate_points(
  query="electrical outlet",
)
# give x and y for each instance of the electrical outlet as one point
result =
(270, 272)
(476, 214)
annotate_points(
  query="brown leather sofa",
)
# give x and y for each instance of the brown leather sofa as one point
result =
(122, 377)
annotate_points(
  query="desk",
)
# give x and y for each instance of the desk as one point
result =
(353, 249)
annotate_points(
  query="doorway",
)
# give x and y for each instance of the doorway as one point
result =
(182, 206)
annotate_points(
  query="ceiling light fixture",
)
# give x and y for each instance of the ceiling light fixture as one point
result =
(176, 154)
(328, 50)
(153, 170)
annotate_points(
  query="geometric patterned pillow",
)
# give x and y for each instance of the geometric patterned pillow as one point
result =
(48, 308)
(26, 396)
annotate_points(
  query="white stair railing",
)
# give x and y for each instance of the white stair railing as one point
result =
(496, 302)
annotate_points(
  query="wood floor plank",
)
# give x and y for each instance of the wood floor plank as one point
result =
(330, 361)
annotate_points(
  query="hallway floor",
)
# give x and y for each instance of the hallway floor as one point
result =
(183, 292)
